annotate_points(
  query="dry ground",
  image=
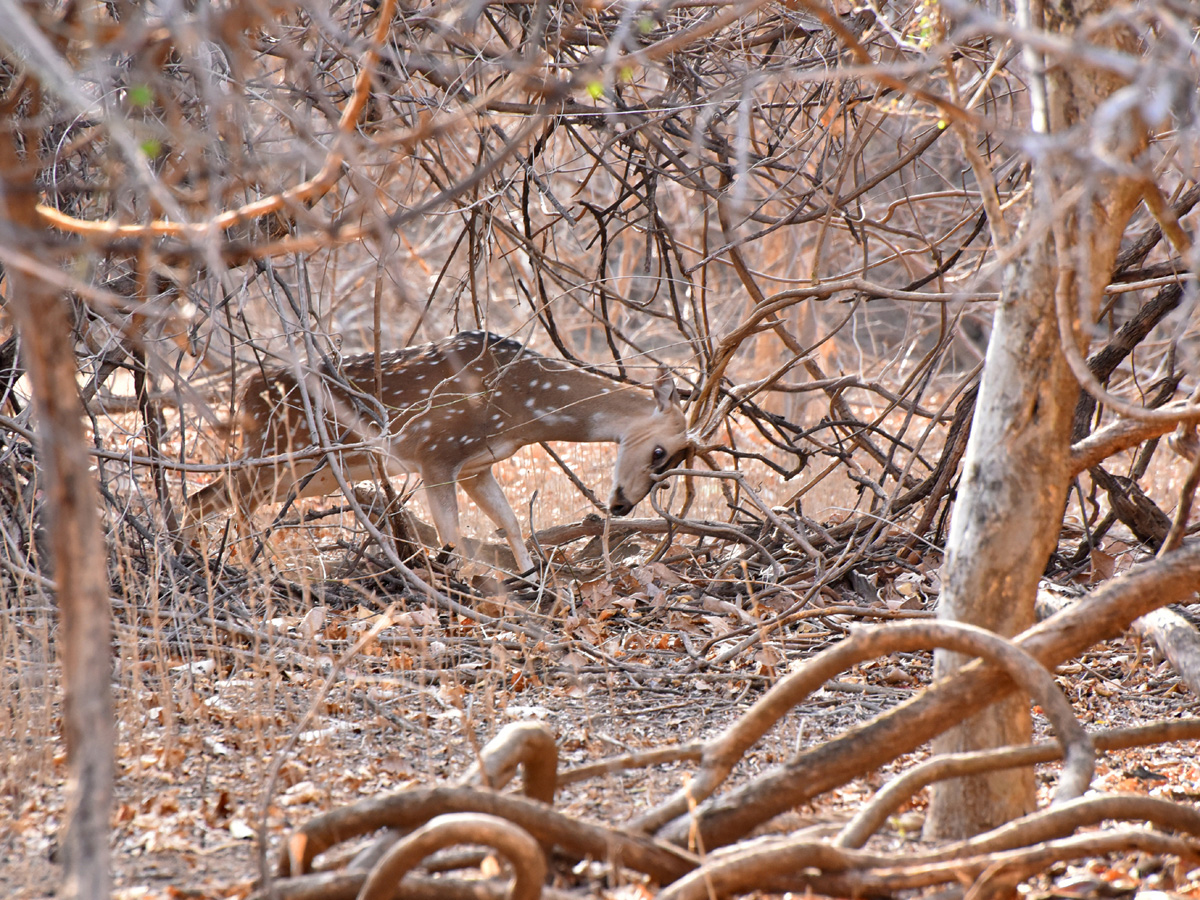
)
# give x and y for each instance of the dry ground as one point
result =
(195, 752)
(230, 729)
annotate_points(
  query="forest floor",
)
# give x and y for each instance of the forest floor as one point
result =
(216, 749)
(242, 712)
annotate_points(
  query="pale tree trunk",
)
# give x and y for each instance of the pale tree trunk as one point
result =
(76, 542)
(1008, 514)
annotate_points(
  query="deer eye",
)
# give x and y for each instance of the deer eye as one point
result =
(658, 454)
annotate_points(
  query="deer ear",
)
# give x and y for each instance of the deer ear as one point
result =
(665, 394)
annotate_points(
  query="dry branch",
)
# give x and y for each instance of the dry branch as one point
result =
(723, 753)
(807, 866)
(346, 886)
(1102, 615)
(871, 816)
(1178, 640)
(516, 845)
(519, 744)
(412, 809)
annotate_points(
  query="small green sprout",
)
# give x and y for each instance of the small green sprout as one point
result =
(140, 95)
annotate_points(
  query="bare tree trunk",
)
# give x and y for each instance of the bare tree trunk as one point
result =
(1009, 510)
(76, 542)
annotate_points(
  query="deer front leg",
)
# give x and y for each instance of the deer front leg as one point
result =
(443, 506)
(485, 491)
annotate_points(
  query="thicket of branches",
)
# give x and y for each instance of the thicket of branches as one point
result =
(804, 209)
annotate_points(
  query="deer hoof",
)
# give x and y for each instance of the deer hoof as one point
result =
(530, 578)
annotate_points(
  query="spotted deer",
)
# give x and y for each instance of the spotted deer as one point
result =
(447, 412)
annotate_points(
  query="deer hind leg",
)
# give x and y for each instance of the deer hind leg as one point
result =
(241, 490)
(483, 488)
(212, 498)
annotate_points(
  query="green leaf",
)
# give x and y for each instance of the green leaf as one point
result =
(140, 95)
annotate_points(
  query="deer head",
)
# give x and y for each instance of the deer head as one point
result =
(652, 443)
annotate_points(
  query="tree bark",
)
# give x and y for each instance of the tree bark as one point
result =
(76, 542)
(1017, 467)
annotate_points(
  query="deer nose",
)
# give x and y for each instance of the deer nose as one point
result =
(618, 505)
